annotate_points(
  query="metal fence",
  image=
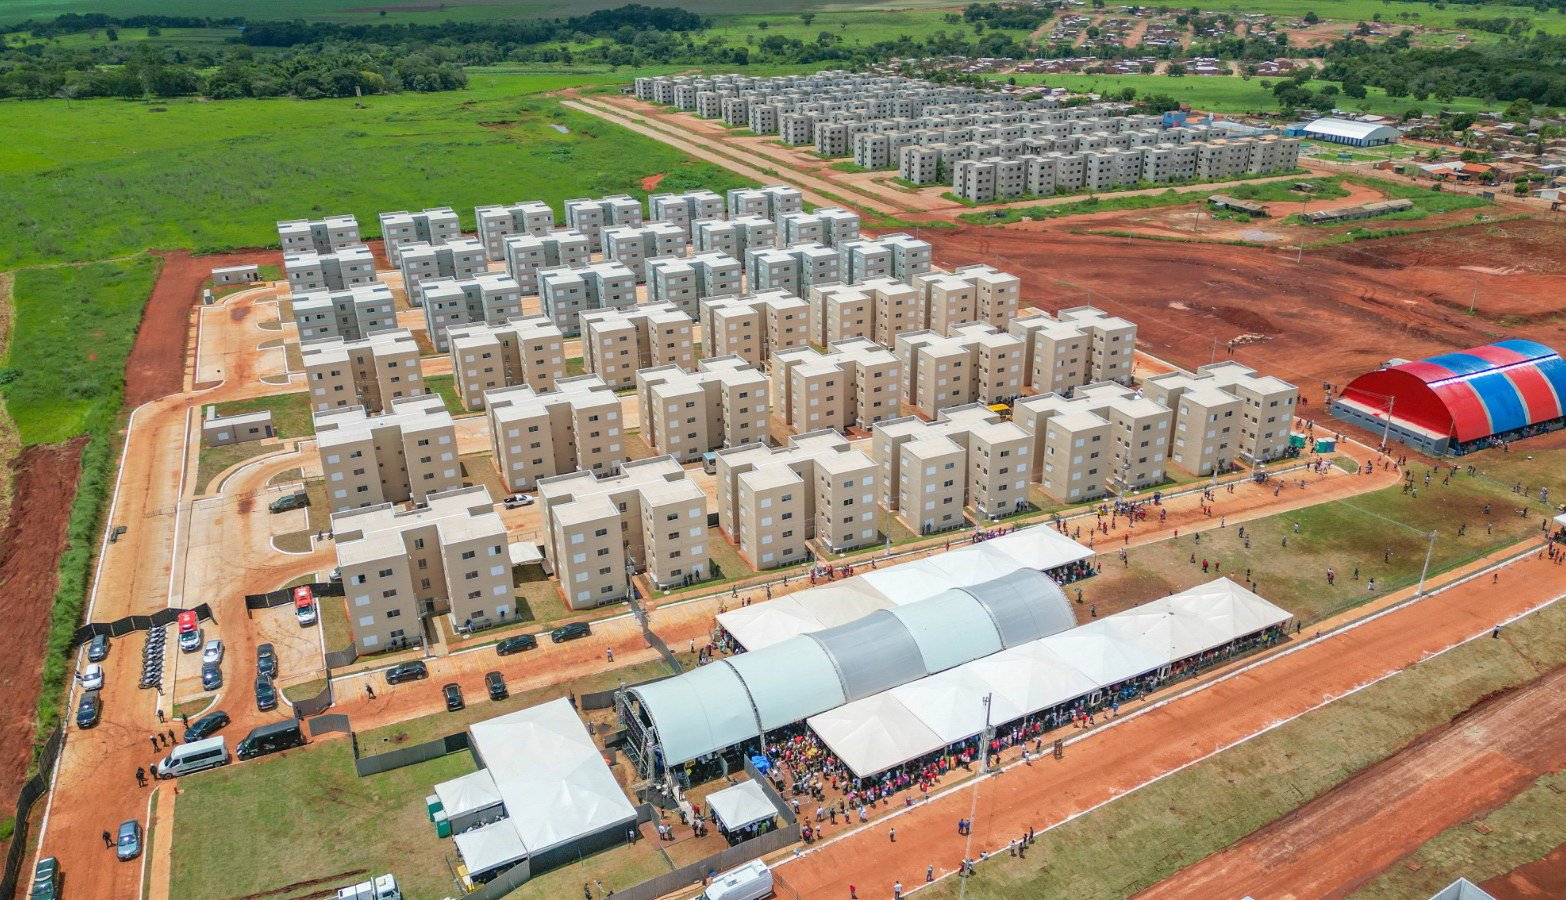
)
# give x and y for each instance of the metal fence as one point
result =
(314, 706)
(122, 627)
(336, 723)
(339, 658)
(698, 872)
(286, 595)
(36, 787)
(407, 756)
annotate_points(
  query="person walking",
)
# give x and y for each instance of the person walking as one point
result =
(161, 719)
(370, 689)
(1496, 633)
(141, 777)
(891, 833)
(897, 891)
(609, 651)
(108, 842)
(929, 874)
(154, 739)
(171, 736)
(853, 893)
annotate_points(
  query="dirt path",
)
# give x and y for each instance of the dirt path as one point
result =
(1134, 38)
(1344, 839)
(1164, 736)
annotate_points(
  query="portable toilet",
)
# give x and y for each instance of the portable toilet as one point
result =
(432, 805)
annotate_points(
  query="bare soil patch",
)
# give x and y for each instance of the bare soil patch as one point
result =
(650, 182)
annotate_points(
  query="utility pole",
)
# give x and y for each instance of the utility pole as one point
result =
(1423, 572)
(1386, 436)
(1475, 301)
(973, 806)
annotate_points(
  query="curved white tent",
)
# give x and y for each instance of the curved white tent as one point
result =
(812, 685)
(703, 710)
(950, 628)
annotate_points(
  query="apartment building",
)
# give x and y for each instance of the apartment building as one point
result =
(525, 255)
(404, 454)
(1105, 438)
(1225, 413)
(969, 294)
(590, 216)
(773, 502)
(685, 282)
(632, 247)
(371, 372)
(647, 518)
(351, 314)
(969, 457)
(451, 303)
(976, 363)
(401, 566)
(793, 269)
(853, 385)
(525, 351)
(327, 235)
(734, 236)
(920, 165)
(431, 226)
(618, 343)
(770, 202)
(461, 258)
(309, 271)
(1082, 346)
(496, 223)
(685, 210)
(538, 434)
(564, 294)
(754, 328)
(685, 414)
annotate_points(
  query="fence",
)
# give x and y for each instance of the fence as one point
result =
(286, 595)
(36, 787)
(122, 627)
(407, 756)
(605, 699)
(336, 723)
(314, 706)
(339, 658)
(697, 872)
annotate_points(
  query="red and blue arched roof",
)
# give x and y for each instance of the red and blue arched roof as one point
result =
(1472, 394)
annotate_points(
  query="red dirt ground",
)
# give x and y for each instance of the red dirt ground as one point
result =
(30, 547)
(1544, 878)
(156, 365)
(650, 182)
(1344, 311)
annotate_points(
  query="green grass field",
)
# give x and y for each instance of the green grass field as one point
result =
(74, 328)
(291, 417)
(266, 824)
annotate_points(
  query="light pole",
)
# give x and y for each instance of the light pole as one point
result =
(973, 807)
(1423, 572)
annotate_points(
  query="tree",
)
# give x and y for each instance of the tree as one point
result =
(1311, 18)
(1521, 110)
(1355, 88)
(1413, 112)
(1462, 121)
(762, 25)
(1175, 70)
(113, 34)
(807, 18)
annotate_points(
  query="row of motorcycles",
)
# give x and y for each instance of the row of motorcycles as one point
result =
(152, 656)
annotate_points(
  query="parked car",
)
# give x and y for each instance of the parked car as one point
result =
(89, 710)
(408, 671)
(453, 694)
(98, 650)
(206, 725)
(270, 739)
(516, 644)
(496, 683)
(570, 632)
(298, 500)
(46, 880)
(266, 694)
(517, 500)
(114, 536)
(128, 846)
(266, 660)
(190, 641)
(212, 653)
(211, 677)
(92, 677)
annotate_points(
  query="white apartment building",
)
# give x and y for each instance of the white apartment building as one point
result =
(527, 351)
(590, 216)
(685, 210)
(496, 223)
(969, 457)
(526, 254)
(854, 385)
(327, 235)
(309, 271)
(632, 247)
(968, 294)
(564, 294)
(460, 258)
(773, 502)
(793, 269)
(351, 314)
(734, 236)
(401, 455)
(974, 364)
(491, 298)
(754, 328)
(685, 282)
(685, 414)
(431, 226)
(617, 343)
(372, 372)
(401, 566)
(535, 435)
(599, 529)
(1105, 438)
(770, 202)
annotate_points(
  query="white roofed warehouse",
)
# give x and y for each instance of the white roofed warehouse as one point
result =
(1348, 131)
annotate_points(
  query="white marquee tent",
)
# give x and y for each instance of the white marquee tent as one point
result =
(491, 847)
(743, 804)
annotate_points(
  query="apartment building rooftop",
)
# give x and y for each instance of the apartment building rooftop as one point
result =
(352, 423)
(375, 532)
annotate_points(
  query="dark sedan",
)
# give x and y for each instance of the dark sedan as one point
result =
(206, 726)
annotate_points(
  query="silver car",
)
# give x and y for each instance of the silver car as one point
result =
(128, 846)
(212, 653)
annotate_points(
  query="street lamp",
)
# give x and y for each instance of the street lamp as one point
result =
(973, 807)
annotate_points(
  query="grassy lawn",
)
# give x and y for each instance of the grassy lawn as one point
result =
(304, 814)
(446, 387)
(1426, 202)
(479, 468)
(213, 460)
(334, 619)
(538, 598)
(1341, 535)
(575, 366)
(305, 690)
(617, 868)
(74, 327)
(480, 707)
(320, 516)
(1150, 834)
(1527, 829)
(290, 412)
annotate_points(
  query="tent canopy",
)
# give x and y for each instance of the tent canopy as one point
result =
(812, 684)
(949, 628)
(488, 848)
(472, 792)
(743, 804)
(699, 712)
(875, 734)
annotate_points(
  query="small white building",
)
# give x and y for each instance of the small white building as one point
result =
(236, 275)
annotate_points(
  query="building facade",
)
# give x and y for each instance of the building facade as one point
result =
(402, 455)
(372, 372)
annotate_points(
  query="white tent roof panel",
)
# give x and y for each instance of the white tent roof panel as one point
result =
(875, 734)
(810, 686)
(701, 711)
(1104, 653)
(470, 793)
(951, 628)
(490, 847)
(743, 804)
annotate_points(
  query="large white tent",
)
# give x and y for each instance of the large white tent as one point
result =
(875, 733)
(551, 778)
(743, 804)
(827, 606)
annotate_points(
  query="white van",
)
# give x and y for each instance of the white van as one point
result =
(193, 757)
(752, 881)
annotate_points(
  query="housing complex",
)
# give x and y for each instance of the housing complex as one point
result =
(326, 235)
(618, 343)
(461, 258)
(976, 363)
(350, 313)
(754, 328)
(528, 351)
(404, 454)
(686, 281)
(431, 226)
(536, 434)
(1077, 346)
(772, 501)
(491, 297)
(496, 223)
(371, 372)
(340, 269)
(969, 456)
(855, 384)
(685, 414)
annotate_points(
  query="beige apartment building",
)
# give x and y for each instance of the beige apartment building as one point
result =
(1105, 438)
(773, 502)
(969, 457)
(351, 314)
(974, 364)
(599, 529)
(1083, 345)
(327, 235)
(372, 372)
(686, 281)
(618, 343)
(496, 223)
(401, 455)
(460, 259)
(855, 384)
(878, 309)
(754, 328)
(536, 434)
(310, 271)
(1253, 427)
(526, 254)
(434, 227)
(492, 297)
(968, 294)
(684, 414)
(564, 294)
(529, 350)
(401, 566)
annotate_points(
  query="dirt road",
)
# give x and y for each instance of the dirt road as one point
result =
(1163, 737)
(1344, 839)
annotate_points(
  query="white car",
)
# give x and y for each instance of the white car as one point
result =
(212, 653)
(92, 677)
(516, 500)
